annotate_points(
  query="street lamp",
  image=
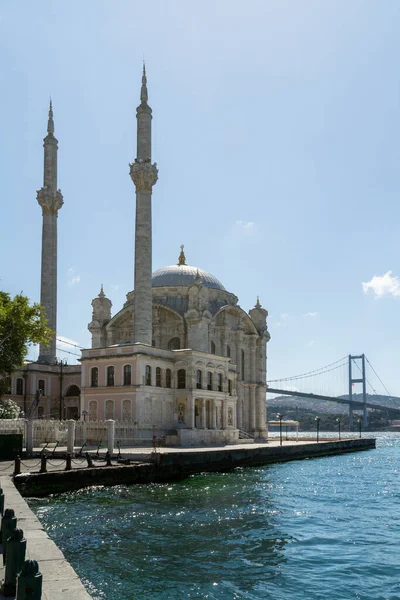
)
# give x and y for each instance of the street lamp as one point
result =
(317, 420)
(359, 426)
(279, 416)
(338, 422)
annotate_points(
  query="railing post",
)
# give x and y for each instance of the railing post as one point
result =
(29, 582)
(71, 436)
(68, 466)
(29, 437)
(43, 464)
(8, 525)
(17, 465)
(110, 435)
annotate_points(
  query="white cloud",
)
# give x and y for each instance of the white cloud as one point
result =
(311, 314)
(383, 285)
(73, 278)
(244, 227)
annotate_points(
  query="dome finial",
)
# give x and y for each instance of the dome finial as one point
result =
(182, 257)
(102, 294)
(258, 305)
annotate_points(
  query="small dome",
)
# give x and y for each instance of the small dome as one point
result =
(178, 275)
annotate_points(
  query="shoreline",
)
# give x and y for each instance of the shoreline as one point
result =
(167, 465)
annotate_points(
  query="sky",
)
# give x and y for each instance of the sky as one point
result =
(276, 134)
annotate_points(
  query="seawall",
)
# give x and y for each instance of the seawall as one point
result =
(168, 466)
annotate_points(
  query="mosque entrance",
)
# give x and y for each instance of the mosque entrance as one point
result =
(72, 402)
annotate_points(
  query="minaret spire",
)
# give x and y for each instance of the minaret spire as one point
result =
(144, 175)
(51, 200)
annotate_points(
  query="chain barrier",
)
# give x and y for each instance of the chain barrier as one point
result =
(54, 464)
(79, 462)
(31, 466)
(7, 467)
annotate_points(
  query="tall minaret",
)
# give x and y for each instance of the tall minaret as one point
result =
(51, 200)
(144, 175)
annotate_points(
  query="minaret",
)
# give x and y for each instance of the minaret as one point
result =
(144, 175)
(51, 200)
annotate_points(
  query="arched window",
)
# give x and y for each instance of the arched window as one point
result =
(126, 410)
(110, 376)
(198, 379)
(147, 380)
(127, 375)
(94, 377)
(219, 384)
(158, 377)
(93, 410)
(230, 387)
(228, 351)
(209, 380)
(72, 391)
(174, 344)
(168, 378)
(41, 386)
(181, 379)
(242, 361)
(212, 348)
(20, 387)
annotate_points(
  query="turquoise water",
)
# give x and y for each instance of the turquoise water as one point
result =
(327, 528)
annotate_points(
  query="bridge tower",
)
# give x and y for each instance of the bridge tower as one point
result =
(353, 380)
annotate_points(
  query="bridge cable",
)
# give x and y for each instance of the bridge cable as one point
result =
(366, 379)
(319, 371)
(384, 386)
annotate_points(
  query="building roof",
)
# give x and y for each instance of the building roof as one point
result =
(184, 275)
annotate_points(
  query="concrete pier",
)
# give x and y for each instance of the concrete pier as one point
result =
(60, 582)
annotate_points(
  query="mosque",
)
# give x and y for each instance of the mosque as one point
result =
(180, 357)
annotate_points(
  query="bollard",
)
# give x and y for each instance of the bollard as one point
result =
(108, 460)
(43, 464)
(16, 550)
(17, 465)
(68, 466)
(1, 502)
(29, 582)
(89, 460)
(8, 525)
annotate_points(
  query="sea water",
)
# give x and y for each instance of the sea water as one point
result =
(327, 528)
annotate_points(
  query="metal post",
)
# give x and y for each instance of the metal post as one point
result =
(279, 416)
(364, 392)
(317, 419)
(350, 396)
(338, 422)
(29, 437)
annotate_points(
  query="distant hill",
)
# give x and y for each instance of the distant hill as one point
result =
(326, 406)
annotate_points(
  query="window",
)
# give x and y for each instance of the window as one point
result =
(94, 377)
(168, 378)
(212, 348)
(209, 380)
(20, 387)
(242, 364)
(41, 386)
(181, 379)
(147, 379)
(228, 351)
(230, 387)
(127, 375)
(219, 385)
(174, 344)
(158, 377)
(110, 375)
(198, 379)
(109, 409)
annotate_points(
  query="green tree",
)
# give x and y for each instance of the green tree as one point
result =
(20, 326)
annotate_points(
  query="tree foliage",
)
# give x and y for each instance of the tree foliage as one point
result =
(9, 409)
(20, 325)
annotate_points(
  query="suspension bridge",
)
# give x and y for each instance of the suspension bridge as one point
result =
(338, 382)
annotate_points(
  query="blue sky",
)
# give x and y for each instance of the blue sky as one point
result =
(276, 132)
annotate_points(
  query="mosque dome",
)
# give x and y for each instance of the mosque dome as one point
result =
(184, 275)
